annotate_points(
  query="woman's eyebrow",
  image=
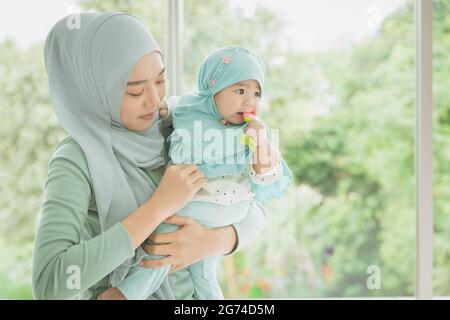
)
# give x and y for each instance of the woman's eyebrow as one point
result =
(135, 83)
(138, 82)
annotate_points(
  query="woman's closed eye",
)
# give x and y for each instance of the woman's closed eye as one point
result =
(135, 94)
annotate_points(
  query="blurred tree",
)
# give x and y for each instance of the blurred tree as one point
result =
(29, 132)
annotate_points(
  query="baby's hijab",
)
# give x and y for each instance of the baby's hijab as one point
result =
(220, 69)
(88, 67)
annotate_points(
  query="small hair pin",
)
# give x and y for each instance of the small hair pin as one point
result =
(226, 59)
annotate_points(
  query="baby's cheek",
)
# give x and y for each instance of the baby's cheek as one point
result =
(257, 104)
(223, 111)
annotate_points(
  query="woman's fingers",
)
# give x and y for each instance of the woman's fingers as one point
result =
(178, 220)
(169, 237)
(195, 176)
(167, 261)
(161, 238)
(200, 183)
(188, 169)
(159, 249)
(175, 268)
(182, 247)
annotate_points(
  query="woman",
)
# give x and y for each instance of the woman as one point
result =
(106, 80)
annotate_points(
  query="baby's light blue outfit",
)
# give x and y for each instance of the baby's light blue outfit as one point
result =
(233, 188)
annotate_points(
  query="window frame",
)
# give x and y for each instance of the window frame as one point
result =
(423, 147)
(174, 46)
(423, 130)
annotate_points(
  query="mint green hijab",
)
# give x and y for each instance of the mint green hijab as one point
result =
(88, 69)
(220, 69)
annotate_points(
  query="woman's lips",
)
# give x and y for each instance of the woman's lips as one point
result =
(148, 116)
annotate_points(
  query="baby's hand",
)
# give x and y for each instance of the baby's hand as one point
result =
(257, 132)
(111, 294)
(163, 109)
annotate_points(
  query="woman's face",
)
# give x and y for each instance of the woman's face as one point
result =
(144, 92)
(243, 96)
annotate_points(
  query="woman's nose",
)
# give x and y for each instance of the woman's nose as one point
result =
(152, 100)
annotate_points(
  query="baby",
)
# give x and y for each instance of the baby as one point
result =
(234, 153)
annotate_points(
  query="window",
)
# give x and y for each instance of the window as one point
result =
(345, 74)
(342, 88)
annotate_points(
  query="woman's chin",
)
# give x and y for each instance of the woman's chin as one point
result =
(146, 127)
(140, 127)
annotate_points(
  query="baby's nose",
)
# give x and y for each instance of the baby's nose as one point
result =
(251, 103)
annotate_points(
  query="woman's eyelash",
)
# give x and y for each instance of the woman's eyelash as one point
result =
(138, 94)
(135, 95)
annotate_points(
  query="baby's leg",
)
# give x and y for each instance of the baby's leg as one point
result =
(211, 215)
(142, 282)
(204, 278)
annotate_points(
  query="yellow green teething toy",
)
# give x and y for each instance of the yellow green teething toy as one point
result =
(245, 139)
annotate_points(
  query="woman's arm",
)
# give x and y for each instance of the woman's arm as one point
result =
(178, 185)
(63, 264)
(192, 242)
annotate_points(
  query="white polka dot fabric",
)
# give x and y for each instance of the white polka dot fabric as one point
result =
(227, 190)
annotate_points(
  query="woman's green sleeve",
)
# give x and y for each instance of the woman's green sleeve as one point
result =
(67, 257)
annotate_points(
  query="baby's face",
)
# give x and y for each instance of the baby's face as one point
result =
(238, 98)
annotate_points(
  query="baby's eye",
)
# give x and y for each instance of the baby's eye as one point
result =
(239, 91)
(257, 94)
(161, 81)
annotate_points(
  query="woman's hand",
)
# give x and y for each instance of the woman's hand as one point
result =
(191, 243)
(177, 187)
(111, 294)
